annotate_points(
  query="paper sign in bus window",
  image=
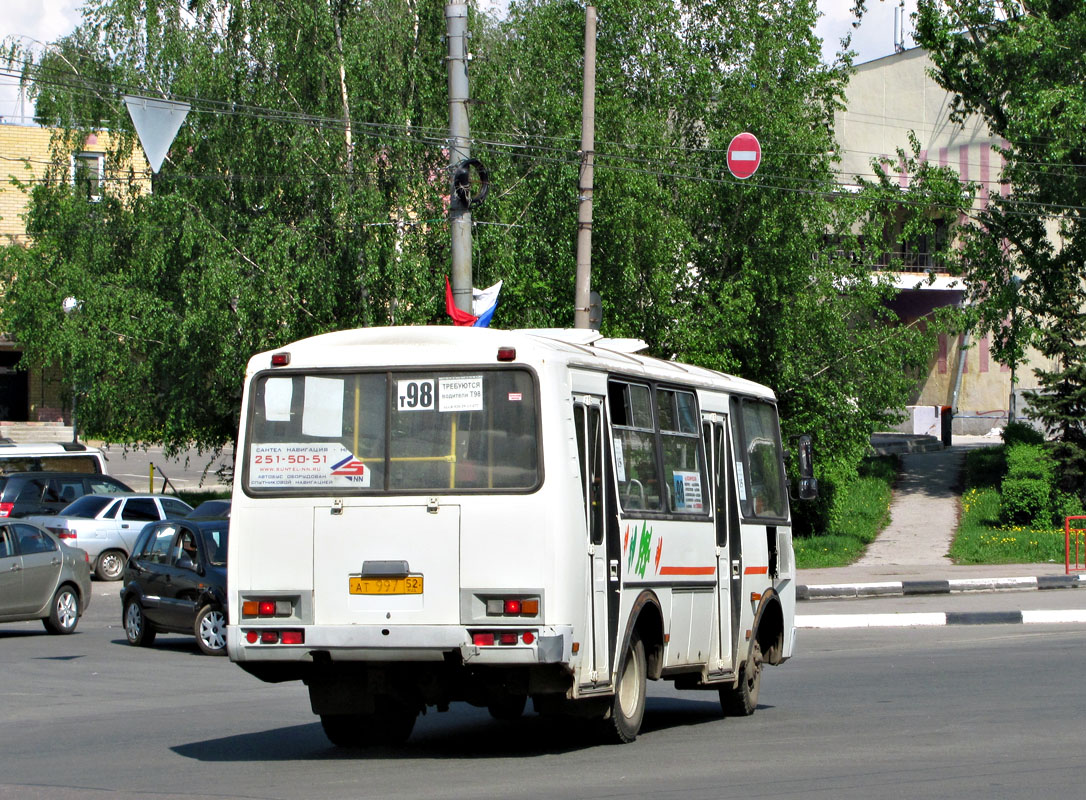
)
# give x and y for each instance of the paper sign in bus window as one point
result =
(740, 479)
(277, 396)
(687, 487)
(460, 394)
(415, 395)
(620, 462)
(322, 414)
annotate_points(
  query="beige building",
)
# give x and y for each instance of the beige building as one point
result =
(26, 153)
(886, 99)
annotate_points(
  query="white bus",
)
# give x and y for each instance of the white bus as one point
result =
(424, 515)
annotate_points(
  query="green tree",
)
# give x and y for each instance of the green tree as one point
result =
(305, 193)
(1019, 66)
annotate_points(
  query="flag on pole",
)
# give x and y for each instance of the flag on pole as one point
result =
(483, 303)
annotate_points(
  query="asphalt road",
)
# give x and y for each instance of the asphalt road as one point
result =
(967, 712)
(188, 471)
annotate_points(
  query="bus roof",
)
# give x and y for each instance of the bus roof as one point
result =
(423, 345)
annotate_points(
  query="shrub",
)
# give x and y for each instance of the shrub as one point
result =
(1021, 433)
(1025, 500)
(985, 467)
(1030, 461)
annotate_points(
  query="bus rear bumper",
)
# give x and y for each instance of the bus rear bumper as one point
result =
(549, 645)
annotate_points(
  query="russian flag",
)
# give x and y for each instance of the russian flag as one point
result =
(483, 303)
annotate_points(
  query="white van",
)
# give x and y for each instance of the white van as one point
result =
(53, 456)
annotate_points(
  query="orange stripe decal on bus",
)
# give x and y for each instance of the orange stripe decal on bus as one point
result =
(756, 571)
(687, 570)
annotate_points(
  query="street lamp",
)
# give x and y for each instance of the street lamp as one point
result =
(1016, 283)
(73, 306)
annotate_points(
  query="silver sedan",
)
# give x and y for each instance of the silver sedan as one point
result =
(107, 525)
(41, 577)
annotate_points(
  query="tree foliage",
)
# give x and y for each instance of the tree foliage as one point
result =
(307, 191)
(1020, 66)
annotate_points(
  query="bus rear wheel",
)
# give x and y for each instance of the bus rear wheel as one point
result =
(391, 725)
(741, 700)
(628, 708)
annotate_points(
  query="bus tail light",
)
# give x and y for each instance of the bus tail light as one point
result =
(267, 608)
(502, 638)
(507, 354)
(280, 359)
(514, 606)
(275, 637)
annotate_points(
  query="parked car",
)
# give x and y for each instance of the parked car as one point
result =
(212, 509)
(107, 525)
(23, 494)
(41, 577)
(175, 581)
(56, 456)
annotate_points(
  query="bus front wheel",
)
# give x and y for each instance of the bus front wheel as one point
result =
(628, 708)
(741, 700)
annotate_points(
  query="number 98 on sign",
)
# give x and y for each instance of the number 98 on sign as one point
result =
(413, 395)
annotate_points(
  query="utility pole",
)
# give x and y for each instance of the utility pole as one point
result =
(456, 34)
(583, 287)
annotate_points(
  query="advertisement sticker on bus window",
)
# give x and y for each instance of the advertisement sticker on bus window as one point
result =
(620, 462)
(415, 395)
(322, 413)
(687, 487)
(740, 480)
(277, 396)
(461, 394)
(305, 464)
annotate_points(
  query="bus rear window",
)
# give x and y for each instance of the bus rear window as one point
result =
(393, 432)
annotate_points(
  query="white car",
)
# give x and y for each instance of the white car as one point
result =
(107, 526)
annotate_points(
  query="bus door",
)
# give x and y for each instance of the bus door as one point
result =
(596, 664)
(728, 540)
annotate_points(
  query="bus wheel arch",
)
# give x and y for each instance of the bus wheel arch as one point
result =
(769, 628)
(647, 619)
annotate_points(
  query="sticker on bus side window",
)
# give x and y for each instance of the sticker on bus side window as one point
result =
(460, 394)
(415, 395)
(740, 480)
(306, 464)
(687, 487)
(620, 462)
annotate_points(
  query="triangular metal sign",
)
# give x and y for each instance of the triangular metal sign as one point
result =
(157, 123)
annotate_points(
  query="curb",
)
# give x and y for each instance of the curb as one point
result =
(928, 619)
(901, 588)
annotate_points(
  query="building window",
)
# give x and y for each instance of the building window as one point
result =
(88, 171)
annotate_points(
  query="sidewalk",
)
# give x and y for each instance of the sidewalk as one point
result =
(910, 556)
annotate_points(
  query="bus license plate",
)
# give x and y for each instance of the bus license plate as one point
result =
(412, 584)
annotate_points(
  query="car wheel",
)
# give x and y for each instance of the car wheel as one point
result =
(64, 612)
(110, 566)
(210, 629)
(137, 629)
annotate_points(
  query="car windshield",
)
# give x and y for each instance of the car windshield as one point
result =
(215, 545)
(88, 506)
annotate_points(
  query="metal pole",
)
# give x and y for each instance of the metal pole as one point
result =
(456, 33)
(583, 286)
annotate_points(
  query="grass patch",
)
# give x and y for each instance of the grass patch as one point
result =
(981, 539)
(861, 508)
(194, 498)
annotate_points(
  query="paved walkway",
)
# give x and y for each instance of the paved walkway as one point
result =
(923, 517)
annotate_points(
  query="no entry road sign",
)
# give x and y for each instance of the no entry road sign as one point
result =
(744, 155)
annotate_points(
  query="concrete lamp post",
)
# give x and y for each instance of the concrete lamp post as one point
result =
(73, 306)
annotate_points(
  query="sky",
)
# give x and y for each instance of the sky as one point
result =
(41, 21)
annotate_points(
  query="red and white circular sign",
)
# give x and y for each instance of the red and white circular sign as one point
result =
(744, 155)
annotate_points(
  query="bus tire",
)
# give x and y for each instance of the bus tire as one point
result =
(390, 726)
(742, 699)
(507, 707)
(628, 708)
